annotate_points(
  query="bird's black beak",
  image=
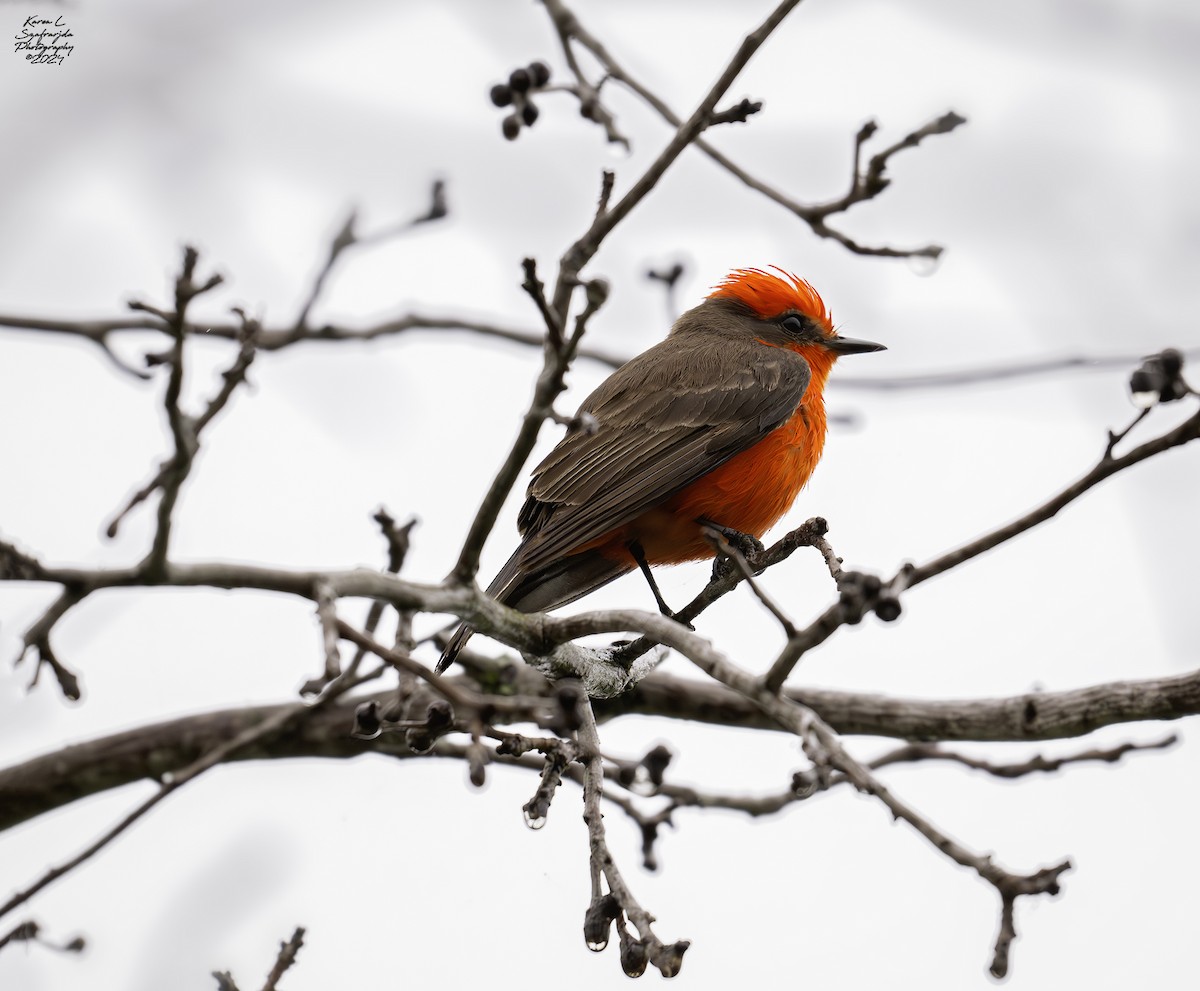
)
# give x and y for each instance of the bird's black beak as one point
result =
(848, 345)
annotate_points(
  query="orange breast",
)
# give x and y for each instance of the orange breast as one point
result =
(749, 492)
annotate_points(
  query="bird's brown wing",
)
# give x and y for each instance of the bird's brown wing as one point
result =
(665, 419)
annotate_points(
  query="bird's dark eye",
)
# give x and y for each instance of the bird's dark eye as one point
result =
(794, 326)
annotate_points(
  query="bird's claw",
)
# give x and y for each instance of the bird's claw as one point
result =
(747, 545)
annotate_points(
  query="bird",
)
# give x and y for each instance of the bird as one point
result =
(717, 427)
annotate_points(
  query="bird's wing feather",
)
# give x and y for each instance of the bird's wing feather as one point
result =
(661, 426)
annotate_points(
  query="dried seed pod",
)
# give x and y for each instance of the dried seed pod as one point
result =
(519, 80)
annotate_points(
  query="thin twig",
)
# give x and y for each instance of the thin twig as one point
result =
(1028, 368)
(37, 639)
(232, 377)
(327, 616)
(1037, 764)
(465, 700)
(183, 434)
(30, 932)
(1106, 467)
(862, 188)
(667, 958)
(287, 957)
(347, 238)
(398, 539)
(168, 784)
(536, 290)
(278, 338)
(1115, 439)
(801, 642)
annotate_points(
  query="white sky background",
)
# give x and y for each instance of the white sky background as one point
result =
(1069, 211)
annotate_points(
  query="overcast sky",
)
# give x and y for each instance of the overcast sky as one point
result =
(1069, 211)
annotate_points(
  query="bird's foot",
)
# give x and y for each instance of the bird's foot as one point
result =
(745, 544)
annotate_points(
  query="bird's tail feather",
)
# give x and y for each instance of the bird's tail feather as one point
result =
(555, 585)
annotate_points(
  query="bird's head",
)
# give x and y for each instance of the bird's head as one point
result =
(788, 312)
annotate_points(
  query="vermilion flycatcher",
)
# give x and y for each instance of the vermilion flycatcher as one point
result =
(720, 425)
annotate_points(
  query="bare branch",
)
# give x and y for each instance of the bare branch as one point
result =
(608, 179)
(863, 187)
(168, 783)
(536, 290)
(994, 373)
(466, 702)
(30, 932)
(824, 747)
(346, 238)
(647, 948)
(669, 278)
(184, 429)
(805, 535)
(437, 210)
(1034, 765)
(275, 339)
(537, 808)
(1115, 439)
(398, 540)
(801, 642)
(235, 374)
(739, 113)
(51, 781)
(866, 185)
(868, 594)
(859, 595)
(809, 782)
(328, 618)
(582, 251)
(232, 377)
(604, 672)
(1107, 466)
(278, 338)
(37, 639)
(287, 957)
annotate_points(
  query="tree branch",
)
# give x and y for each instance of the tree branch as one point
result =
(168, 784)
(863, 186)
(50, 781)
(647, 948)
